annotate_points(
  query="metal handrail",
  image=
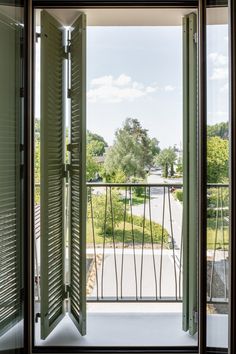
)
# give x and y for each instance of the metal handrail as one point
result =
(158, 251)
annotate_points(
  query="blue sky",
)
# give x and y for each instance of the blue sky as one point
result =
(137, 72)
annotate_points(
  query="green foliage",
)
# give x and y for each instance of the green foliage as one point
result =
(113, 213)
(179, 166)
(166, 160)
(157, 232)
(138, 190)
(132, 151)
(221, 130)
(95, 144)
(179, 194)
(92, 167)
(217, 160)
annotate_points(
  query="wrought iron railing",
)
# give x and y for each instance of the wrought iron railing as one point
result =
(134, 242)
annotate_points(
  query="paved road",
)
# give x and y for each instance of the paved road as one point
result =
(163, 209)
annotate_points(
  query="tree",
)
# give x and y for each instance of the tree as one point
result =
(96, 144)
(92, 167)
(166, 159)
(132, 151)
(217, 160)
(108, 211)
(221, 130)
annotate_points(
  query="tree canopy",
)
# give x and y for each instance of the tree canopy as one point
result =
(96, 144)
(133, 150)
(166, 160)
(217, 160)
(221, 130)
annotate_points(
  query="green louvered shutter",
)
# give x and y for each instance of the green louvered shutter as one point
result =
(52, 181)
(189, 173)
(78, 198)
(10, 190)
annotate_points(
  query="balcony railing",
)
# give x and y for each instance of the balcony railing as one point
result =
(134, 242)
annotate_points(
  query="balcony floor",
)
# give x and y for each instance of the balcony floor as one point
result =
(127, 327)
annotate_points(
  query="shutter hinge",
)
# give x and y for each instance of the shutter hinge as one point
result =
(37, 36)
(69, 147)
(67, 50)
(69, 93)
(22, 92)
(66, 171)
(37, 316)
(66, 291)
(195, 37)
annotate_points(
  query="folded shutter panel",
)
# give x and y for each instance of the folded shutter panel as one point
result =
(190, 175)
(78, 175)
(52, 224)
(10, 192)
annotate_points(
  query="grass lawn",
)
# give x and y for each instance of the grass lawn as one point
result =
(118, 233)
(136, 200)
(211, 235)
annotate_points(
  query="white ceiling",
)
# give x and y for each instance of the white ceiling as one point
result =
(133, 17)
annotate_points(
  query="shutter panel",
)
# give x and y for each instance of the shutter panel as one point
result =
(190, 175)
(78, 197)
(10, 192)
(52, 187)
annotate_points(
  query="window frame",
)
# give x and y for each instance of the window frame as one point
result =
(29, 181)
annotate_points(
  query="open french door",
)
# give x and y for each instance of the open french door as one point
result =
(63, 249)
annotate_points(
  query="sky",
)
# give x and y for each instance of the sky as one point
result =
(137, 72)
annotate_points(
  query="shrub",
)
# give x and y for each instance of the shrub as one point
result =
(157, 231)
(104, 207)
(179, 194)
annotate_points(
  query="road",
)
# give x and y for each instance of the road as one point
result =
(163, 210)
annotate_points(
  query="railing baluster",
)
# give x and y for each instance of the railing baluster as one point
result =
(123, 246)
(172, 241)
(143, 236)
(104, 244)
(94, 242)
(133, 241)
(114, 244)
(152, 243)
(180, 261)
(215, 243)
(162, 240)
(223, 237)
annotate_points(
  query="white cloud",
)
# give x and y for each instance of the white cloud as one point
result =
(110, 89)
(219, 66)
(218, 59)
(219, 74)
(169, 88)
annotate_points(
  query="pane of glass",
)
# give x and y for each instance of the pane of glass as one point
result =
(217, 177)
(134, 249)
(11, 196)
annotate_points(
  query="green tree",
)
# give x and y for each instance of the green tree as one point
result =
(166, 160)
(217, 160)
(221, 130)
(132, 151)
(96, 144)
(107, 211)
(92, 167)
